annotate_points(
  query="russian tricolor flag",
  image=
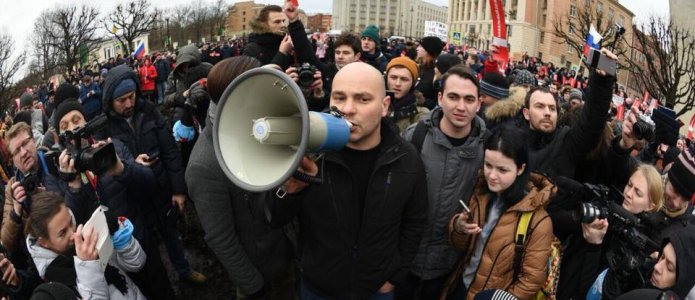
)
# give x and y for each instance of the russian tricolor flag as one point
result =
(592, 40)
(139, 51)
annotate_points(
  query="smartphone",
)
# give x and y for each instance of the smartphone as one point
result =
(152, 156)
(465, 207)
(598, 60)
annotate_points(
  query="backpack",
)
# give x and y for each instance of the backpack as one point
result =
(549, 288)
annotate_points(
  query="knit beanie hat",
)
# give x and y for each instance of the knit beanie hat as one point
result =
(671, 155)
(445, 61)
(405, 62)
(65, 91)
(125, 86)
(433, 45)
(371, 32)
(53, 291)
(63, 109)
(682, 173)
(26, 100)
(494, 85)
(524, 77)
(576, 94)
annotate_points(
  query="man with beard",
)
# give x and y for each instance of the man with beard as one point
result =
(268, 42)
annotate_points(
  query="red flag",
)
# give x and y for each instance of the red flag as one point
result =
(499, 34)
(621, 112)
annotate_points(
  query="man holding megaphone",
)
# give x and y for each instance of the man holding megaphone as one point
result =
(360, 229)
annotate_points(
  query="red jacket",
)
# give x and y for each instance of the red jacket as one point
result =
(148, 74)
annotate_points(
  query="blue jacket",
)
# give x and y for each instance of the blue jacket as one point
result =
(90, 104)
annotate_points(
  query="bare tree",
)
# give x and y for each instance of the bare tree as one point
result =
(74, 32)
(131, 20)
(9, 66)
(664, 62)
(218, 16)
(572, 28)
(199, 16)
(47, 58)
(181, 15)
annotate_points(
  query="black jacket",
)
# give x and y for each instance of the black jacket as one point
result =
(163, 68)
(150, 134)
(234, 221)
(266, 48)
(343, 262)
(426, 86)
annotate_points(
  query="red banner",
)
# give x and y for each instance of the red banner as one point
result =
(499, 34)
(691, 127)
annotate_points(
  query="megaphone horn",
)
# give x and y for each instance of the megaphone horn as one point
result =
(263, 129)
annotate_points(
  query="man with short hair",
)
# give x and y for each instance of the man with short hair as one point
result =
(90, 97)
(359, 231)
(268, 43)
(401, 77)
(450, 140)
(371, 54)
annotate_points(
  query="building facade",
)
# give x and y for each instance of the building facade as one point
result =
(241, 13)
(319, 22)
(682, 12)
(394, 17)
(530, 25)
(111, 48)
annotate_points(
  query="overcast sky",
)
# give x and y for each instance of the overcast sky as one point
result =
(17, 16)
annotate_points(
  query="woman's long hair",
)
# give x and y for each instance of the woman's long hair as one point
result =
(512, 143)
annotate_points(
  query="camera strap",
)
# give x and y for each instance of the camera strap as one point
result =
(92, 178)
(522, 230)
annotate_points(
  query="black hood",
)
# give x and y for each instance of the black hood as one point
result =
(683, 242)
(113, 78)
(188, 54)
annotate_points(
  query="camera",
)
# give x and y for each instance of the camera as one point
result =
(305, 74)
(643, 128)
(97, 160)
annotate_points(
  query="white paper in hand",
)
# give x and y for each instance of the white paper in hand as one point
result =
(104, 244)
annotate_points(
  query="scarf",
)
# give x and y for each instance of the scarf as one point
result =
(404, 107)
(62, 269)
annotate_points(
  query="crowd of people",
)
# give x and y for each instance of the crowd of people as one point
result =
(462, 178)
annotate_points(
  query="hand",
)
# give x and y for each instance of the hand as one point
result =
(291, 11)
(178, 200)
(293, 185)
(286, 45)
(610, 55)
(10, 275)
(19, 196)
(627, 140)
(386, 288)
(86, 242)
(317, 85)
(462, 225)
(144, 160)
(292, 72)
(595, 231)
(186, 93)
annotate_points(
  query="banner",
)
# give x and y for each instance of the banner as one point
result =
(438, 29)
(499, 34)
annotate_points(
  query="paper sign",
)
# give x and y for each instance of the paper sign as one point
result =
(104, 244)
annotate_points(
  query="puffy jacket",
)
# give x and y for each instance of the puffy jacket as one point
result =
(149, 135)
(148, 75)
(451, 176)
(234, 221)
(173, 96)
(266, 48)
(91, 282)
(343, 261)
(495, 270)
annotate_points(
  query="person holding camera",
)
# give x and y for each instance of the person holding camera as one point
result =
(486, 228)
(627, 258)
(310, 82)
(269, 41)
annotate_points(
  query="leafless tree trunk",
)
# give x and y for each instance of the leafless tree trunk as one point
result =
(46, 56)
(9, 66)
(131, 20)
(74, 32)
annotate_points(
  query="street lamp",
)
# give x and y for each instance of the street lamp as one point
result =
(168, 43)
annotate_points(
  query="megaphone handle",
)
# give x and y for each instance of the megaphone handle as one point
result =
(307, 178)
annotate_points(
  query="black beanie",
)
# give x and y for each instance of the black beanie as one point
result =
(683, 241)
(63, 109)
(682, 173)
(433, 45)
(445, 61)
(65, 91)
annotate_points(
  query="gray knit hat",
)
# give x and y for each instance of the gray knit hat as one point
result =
(494, 85)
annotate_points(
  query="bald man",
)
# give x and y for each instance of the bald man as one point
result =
(360, 229)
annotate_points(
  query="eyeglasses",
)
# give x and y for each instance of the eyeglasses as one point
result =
(25, 143)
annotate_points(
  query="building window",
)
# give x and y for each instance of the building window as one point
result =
(545, 4)
(599, 7)
(571, 28)
(489, 28)
(587, 3)
(621, 20)
(611, 14)
(573, 10)
(569, 48)
(243, 27)
(544, 19)
(542, 37)
(509, 30)
(243, 13)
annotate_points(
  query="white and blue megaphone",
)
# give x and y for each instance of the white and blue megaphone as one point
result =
(263, 129)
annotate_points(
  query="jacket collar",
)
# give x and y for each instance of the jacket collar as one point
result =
(540, 190)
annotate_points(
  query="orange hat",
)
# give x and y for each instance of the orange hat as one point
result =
(405, 62)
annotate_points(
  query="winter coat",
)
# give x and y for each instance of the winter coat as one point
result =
(505, 111)
(173, 96)
(149, 135)
(148, 75)
(163, 67)
(495, 270)
(377, 60)
(90, 104)
(91, 282)
(234, 221)
(344, 261)
(451, 175)
(266, 48)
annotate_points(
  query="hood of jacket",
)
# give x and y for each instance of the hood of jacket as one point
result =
(42, 257)
(113, 78)
(683, 242)
(539, 187)
(188, 54)
(507, 108)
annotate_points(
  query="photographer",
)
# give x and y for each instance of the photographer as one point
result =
(310, 82)
(628, 260)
